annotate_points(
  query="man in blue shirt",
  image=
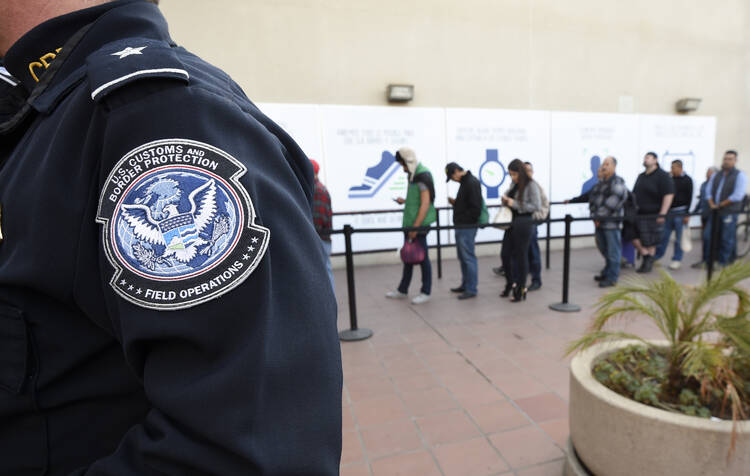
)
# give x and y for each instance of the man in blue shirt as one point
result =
(725, 192)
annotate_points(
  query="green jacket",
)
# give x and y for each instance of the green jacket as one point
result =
(411, 206)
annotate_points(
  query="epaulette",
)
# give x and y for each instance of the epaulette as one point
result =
(6, 78)
(126, 61)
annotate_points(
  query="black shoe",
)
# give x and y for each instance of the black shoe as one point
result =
(606, 283)
(465, 295)
(459, 289)
(506, 292)
(647, 264)
(499, 271)
(519, 294)
(599, 277)
(534, 286)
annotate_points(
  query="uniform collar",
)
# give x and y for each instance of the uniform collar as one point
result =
(30, 58)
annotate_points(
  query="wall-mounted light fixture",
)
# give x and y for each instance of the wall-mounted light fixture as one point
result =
(688, 104)
(400, 92)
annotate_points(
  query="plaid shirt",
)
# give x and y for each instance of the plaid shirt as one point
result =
(607, 199)
(322, 211)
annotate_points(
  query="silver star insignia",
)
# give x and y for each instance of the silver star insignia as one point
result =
(123, 282)
(245, 257)
(255, 240)
(251, 248)
(130, 288)
(129, 51)
(138, 291)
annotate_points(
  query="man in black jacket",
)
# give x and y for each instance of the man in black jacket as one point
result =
(467, 207)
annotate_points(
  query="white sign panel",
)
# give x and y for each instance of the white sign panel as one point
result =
(360, 144)
(580, 142)
(689, 139)
(485, 141)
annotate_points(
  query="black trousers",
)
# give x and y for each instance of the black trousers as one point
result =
(515, 250)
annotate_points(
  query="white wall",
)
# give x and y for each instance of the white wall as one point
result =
(576, 55)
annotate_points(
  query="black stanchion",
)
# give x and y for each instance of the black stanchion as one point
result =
(439, 251)
(354, 333)
(565, 306)
(547, 240)
(714, 245)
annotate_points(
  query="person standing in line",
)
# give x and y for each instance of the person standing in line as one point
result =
(535, 255)
(524, 198)
(323, 218)
(419, 211)
(654, 191)
(467, 208)
(676, 219)
(705, 211)
(725, 193)
(607, 200)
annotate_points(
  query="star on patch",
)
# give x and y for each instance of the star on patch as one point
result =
(130, 288)
(129, 51)
(255, 240)
(123, 282)
(245, 257)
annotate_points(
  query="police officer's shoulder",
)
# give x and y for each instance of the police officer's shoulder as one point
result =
(128, 68)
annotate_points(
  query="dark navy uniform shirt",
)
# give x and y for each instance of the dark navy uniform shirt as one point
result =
(164, 306)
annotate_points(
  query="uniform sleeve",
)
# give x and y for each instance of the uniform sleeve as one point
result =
(236, 344)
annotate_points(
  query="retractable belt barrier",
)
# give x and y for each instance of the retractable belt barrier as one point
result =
(355, 333)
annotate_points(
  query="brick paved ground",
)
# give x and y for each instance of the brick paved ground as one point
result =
(477, 387)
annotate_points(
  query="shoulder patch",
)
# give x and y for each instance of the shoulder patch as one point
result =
(125, 61)
(178, 227)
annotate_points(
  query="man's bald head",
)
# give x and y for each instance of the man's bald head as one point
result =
(609, 165)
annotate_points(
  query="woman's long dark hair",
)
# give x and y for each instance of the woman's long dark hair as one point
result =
(517, 165)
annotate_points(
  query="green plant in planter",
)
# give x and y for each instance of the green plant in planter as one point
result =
(707, 361)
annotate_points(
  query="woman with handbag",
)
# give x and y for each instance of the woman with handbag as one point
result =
(418, 211)
(524, 199)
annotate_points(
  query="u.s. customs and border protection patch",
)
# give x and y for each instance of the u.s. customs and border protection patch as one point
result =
(179, 228)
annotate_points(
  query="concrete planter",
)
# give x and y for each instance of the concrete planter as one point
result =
(616, 436)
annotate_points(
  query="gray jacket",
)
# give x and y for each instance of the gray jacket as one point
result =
(531, 200)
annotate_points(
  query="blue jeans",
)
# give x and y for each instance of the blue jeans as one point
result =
(610, 246)
(465, 238)
(426, 270)
(535, 258)
(671, 222)
(327, 250)
(727, 238)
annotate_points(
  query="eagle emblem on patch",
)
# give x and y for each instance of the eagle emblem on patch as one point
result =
(178, 227)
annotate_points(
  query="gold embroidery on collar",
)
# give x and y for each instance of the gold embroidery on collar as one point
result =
(43, 62)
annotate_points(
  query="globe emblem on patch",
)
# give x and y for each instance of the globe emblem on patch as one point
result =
(175, 223)
(178, 227)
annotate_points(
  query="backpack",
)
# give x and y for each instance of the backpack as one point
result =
(484, 215)
(542, 213)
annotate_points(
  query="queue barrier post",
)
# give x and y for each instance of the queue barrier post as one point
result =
(354, 333)
(547, 240)
(439, 251)
(565, 306)
(713, 247)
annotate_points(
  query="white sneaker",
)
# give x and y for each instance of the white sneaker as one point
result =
(396, 295)
(675, 265)
(421, 299)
